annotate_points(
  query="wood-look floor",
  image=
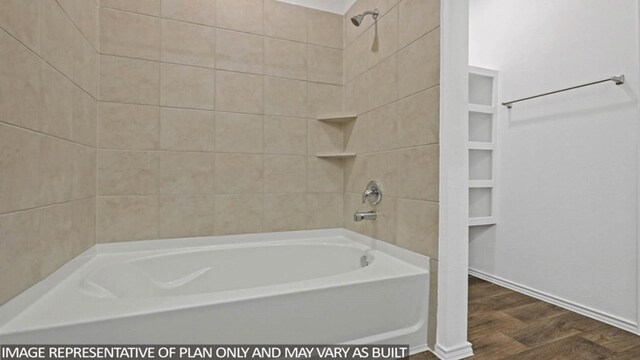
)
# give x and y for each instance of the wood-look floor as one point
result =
(506, 325)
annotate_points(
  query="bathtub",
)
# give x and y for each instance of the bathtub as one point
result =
(308, 287)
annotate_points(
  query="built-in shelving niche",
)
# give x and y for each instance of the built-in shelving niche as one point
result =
(482, 146)
(341, 118)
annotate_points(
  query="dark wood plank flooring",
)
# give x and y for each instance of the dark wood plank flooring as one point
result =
(506, 325)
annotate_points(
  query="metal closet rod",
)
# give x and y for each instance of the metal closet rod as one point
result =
(619, 80)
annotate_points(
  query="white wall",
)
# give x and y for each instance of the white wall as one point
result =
(567, 163)
(334, 6)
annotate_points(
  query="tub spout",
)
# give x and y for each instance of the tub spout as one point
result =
(365, 215)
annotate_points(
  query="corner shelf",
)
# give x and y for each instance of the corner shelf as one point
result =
(338, 118)
(336, 155)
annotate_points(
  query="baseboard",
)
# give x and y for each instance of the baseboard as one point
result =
(454, 353)
(566, 304)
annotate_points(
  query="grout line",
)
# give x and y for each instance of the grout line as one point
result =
(218, 27)
(51, 65)
(3, 122)
(39, 207)
(369, 68)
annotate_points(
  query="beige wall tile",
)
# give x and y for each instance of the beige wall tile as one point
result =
(385, 42)
(356, 55)
(324, 175)
(285, 174)
(285, 21)
(86, 65)
(325, 29)
(150, 7)
(388, 175)
(128, 34)
(238, 51)
(56, 117)
(285, 97)
(129, 80)
(383, 132)
(419, 65)
(418, 226)
(384, 228)
(356, 95)
(355, 174)
(19, 252)
(186, 216)
(324, 210)
(21, 19)
(285, 135)
(127, 218)
(58, 35)
(284, 212)
(285, 58)
(325, 65)
(56, 170)
(356, 134)
(239, 174)
(188, 44)
(86, 18)
(241, 15)
(127, 126)
(194, 11)
(324, 99)
(238, 214)
(85, 118)
(384, 5)
(325, 137)
(236, 92)
(383, 82)
(239, 133)
(84, 172)
(183, 173)
(187, 130)
(83, 222)
(127, 172)
(20, 164)
(187, 87)
(20, 93)
(53, 233)
(417, 17)
(422, 184)
(419, 118)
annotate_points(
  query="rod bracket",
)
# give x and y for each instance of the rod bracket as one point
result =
(619, 80)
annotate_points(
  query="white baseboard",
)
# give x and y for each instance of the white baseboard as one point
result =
(462, 351)
(566, 304)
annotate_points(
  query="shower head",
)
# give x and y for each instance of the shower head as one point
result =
(357, 20)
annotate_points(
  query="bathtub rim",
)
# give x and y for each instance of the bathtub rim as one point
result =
(24, 300)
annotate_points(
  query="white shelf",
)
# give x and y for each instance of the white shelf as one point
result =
(478, 184)
(338, 118)
(477, 145)
(482, 144)
(485, 109)
(482, 221)
(336, 155)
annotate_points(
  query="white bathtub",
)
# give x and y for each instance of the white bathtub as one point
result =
(284, 288)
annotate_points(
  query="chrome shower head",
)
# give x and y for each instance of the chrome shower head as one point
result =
(357, 20)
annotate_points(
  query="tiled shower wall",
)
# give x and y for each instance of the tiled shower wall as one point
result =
(48, 110)
(206, 118)
(392, 77)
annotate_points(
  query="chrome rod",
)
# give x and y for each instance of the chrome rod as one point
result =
(619, 80)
